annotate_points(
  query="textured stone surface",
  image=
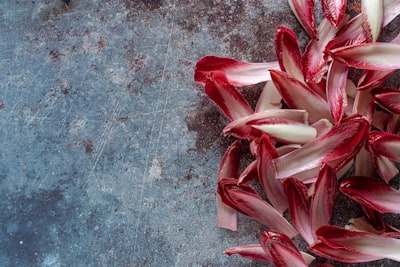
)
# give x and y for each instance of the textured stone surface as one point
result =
(109, 150)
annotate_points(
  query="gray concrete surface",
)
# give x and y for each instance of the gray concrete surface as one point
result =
(109, 151)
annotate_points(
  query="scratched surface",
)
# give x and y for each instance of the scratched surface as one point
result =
(109, 151)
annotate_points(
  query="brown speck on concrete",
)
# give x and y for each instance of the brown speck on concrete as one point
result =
(88, 144)
(2, 105)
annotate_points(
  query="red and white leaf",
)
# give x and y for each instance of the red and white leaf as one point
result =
(322, 126)
(350, 33)
(385, 168)
(240, 129)
(323, 199)
(364, 165)
(388, 98)
(375, 78)
(314, 60)
(372, 16)
(284, 130)
(229, 167)
(288, 52)
(360, 242)
(247, 201)
(334, 10)
(364, 104)
(298, 95)
(336, 90)
(229, 100)
(237, 72)
(272, 187)
(336, 148)
(391, 9)
(304, 12)
(370, 56)
(341, 254)
(375, 194)
(248, 174)
(282, 250)
(269, 98)
(384, 144)
(299, 207)
(251, 252)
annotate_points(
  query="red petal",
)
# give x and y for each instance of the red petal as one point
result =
(282, 250)
(371, 56)
(323, 198)
(247, 201)
(298, 95)
(252, 252)
(230, 101)
(336, 90)
(372, 193)
(304, 12)
(237, 72)
(334, 10)
(299, 207)
(288, 52)
(335, 148)
(272, 187)
(229, 167)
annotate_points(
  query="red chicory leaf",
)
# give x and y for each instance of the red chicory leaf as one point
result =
(248, 174)
(364, 104)
(384, 144)
(237, 73)
(370, 56)
(298, 95)
(336, 90)
(247, 201)
(240, 129)
(336, 148)
(229, 167)
(288, 52)
(304, 12)
(269, 98)
(388, 98)
(351, 33)
(229, 100)
(299, 207)
(391, 9)
(323, 199)
(360, 242)
(334, 10)
(372, 193)
(272, 187)
(284, 130)
(252, 252)
(282, 250)
(341, 254)
(314, 60)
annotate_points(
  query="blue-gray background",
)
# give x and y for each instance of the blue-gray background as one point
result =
(109, 151)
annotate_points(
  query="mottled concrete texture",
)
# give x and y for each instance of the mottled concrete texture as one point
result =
(109, 151)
